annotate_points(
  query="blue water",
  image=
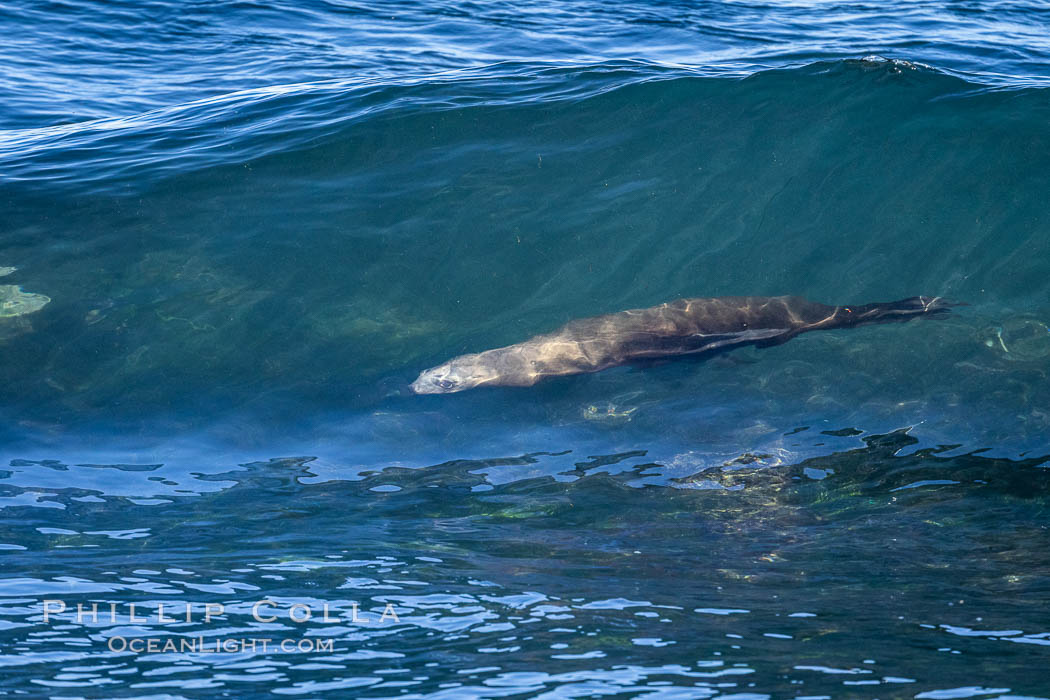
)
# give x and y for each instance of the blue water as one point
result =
(254, 223)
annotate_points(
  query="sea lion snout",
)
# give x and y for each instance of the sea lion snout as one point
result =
(434, 381)
(448, 378)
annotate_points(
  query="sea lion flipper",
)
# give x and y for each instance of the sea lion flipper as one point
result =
(903, 309)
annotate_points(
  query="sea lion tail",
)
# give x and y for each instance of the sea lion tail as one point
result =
(902, 310)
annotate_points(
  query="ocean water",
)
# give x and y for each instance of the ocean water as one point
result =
(231, 233)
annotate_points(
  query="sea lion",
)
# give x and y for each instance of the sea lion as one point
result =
(684, 327)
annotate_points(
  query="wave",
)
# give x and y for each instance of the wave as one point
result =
(122, 154)
(257, 122)
(303, 250)
(74, 59)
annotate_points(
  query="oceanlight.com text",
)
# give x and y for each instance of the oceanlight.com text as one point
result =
(229, 645)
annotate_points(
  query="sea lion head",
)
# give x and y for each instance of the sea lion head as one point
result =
(465, 372)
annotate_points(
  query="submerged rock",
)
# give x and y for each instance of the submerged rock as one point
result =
(15, 302)
(1020, 338)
